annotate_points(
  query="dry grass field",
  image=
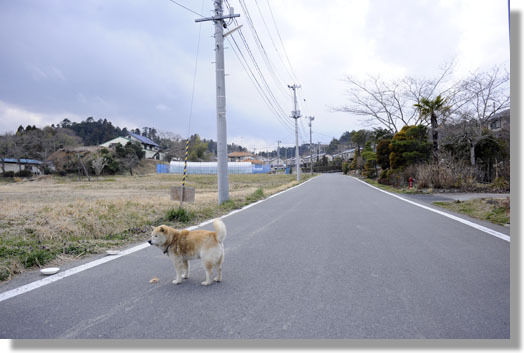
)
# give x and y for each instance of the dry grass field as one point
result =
(54, 219)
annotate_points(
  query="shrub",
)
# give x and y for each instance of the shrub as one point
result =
(255, 196)
(383, 152)
(345, 167)
(9, 174)
(501, 184)
(409, 146)
(370, 170)
(180, 215)
(383, 178)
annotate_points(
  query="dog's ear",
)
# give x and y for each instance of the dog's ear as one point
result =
(162, 229)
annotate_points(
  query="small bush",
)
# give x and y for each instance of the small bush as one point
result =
(179, 215)
(383, 178)
(24, 174)
(345, 167)
(9, 174)
(229, 205)
(255, 196)
(37, 257)
(501, 184)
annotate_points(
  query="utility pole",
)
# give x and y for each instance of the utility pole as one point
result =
(222, 171)
(295, 114)
(311, 118)
(278, 152)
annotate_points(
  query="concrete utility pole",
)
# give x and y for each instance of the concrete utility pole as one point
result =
(222, 172)
(295, 114)
(278, 152)
(311, 118)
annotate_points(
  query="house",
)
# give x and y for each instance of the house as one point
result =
(151, 148)
(240, 156)
(346, 154)
(500, 121)
(13, 165)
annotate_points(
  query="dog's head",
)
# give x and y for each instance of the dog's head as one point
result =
(161, 236)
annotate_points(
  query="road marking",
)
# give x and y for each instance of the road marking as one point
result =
(445, 214)
(73, 271)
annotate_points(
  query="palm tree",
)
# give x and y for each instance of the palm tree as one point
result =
(431, 108)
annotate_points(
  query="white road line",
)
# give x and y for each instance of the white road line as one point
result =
(445, 214)
(72, 271)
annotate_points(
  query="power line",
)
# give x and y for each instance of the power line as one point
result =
(279, 54)
(194, 78)
(185, 7)
(281, 42)
(263, 54)
(261, 48)
(243, 61)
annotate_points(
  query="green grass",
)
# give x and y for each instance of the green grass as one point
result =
(492, 210)
(392, 188)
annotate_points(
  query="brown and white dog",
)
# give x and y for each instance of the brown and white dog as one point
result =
(183, 245)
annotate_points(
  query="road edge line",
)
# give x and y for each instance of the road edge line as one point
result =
(72, 271)
(445, 214)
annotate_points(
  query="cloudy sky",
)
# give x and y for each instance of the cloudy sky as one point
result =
(133, 61)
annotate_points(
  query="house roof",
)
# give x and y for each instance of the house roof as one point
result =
(22, 161)
(144, 139)
(239, 154)
(502, 114)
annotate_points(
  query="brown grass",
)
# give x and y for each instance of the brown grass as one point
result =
(63, 212)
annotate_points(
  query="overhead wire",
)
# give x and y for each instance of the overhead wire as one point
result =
(260, 46)
(292, 72)
(263, 87)
(186, 8)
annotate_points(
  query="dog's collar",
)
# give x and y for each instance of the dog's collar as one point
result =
(166, 249)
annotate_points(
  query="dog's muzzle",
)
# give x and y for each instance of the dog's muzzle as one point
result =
(149, 241)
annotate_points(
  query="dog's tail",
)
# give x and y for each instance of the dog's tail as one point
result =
(220, 228)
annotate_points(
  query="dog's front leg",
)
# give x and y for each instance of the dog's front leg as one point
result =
(186, 269)
(179, 269)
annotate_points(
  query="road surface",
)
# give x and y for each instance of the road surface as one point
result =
(332, 258)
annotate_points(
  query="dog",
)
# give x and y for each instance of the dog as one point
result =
(183, 245)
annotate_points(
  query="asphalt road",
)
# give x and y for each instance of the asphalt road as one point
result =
(331, 258)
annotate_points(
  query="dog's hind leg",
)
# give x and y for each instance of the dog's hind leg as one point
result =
(208, 266)
(185, 274)
(218, 266)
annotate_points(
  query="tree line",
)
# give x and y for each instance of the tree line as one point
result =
(435, 130)
(32, 142)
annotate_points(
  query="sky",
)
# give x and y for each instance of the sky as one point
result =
(134, 62)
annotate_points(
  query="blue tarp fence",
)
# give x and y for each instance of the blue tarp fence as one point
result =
(211, 168)
(261, 168)
(162, 168)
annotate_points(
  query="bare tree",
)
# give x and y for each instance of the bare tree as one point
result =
(98, 164)
(6, 143)
(130, 161)
(482, 95)
(391, 103)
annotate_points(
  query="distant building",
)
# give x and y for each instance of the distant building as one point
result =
(240, 156)
(346, 154)
(13, 165)
(151, 148)
(500, 121)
